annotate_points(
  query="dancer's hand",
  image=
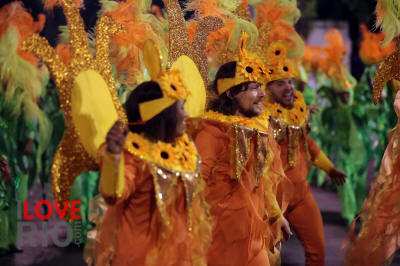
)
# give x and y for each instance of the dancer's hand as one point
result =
(337, 177)
(5, 170)
(285, 228)
(115, 138)
(396, 104)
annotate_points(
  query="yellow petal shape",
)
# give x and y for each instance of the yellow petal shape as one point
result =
(92, 109)
(196, 102)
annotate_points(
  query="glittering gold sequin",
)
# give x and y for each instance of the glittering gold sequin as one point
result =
(179, 39)
(388, 70)
(164, 180)
(245, 131)
(243, 137)
(262, 154)
(243, 12)
(71, 158)
(284, 131)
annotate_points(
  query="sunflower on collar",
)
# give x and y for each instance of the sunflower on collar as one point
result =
(296, 116)
(179, 156)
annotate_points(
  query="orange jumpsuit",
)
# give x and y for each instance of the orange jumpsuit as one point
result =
(303, 212)
(133, 232)
(240, 205)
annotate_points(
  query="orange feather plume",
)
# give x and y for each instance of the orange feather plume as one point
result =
(371, 51)
(125, 47)
(15, 15)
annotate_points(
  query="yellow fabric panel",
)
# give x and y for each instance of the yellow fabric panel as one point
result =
(196, 102)
(92, 109)
(322, 162)
(150, 109)
(112, 177)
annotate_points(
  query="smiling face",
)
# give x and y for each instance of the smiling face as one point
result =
(250, 100)
(282, 91)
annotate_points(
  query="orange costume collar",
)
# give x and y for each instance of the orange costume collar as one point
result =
(290, 124)
(296, 116)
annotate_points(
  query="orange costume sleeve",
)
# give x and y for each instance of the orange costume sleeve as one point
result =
(318, 157)
(210, 153)
(274, 176)
(116, 177)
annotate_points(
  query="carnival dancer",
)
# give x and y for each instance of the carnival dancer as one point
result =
(151, 177)
(156, 182)
(377, 240)
(281, 49)
(241, 165)
(289, 121)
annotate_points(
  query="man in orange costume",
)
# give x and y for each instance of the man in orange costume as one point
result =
(242, 167)
(290, 122)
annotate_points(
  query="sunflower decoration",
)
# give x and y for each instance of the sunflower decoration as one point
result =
(249, 68)
(278, 66)
(187, 161)
(259, 122)
(276, 52)
(278, 111)
(252, 68)
(180, 156)
(295, 116)
(171, 84)
(188, 152)
(278, 40)
(137, 144)
(186, 145)
(165, 155)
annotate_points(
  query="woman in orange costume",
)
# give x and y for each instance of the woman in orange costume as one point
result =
(289, 121)
(240, 166)
(150, 178)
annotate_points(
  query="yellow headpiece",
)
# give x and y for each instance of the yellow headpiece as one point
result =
(249, 68)
(278, 66)
(171, 84)
(279, 45)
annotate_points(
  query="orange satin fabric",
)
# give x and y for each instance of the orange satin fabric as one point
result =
(133, 229)
(241, 232)
(303, 212)
(298, 173)
(379, 236)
